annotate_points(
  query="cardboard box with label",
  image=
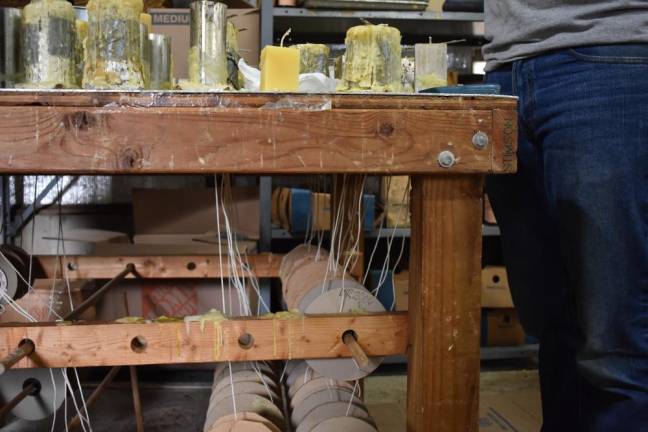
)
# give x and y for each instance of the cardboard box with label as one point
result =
(501, 327)
(175, 23)
(495, 290)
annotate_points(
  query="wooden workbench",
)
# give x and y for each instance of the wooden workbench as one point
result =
(432, 138)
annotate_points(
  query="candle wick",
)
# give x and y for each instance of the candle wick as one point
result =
(284, 36)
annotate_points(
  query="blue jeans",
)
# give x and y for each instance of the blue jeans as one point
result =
(574, 222)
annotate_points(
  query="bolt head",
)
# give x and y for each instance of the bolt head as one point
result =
(480, 140)
(446, 159)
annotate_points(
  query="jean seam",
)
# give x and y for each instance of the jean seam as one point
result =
(609, 59)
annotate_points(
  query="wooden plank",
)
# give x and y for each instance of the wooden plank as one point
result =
(92, 98)
(504, 140)
(109, 344)
(113, 140)
(444, 304)
(152, 267)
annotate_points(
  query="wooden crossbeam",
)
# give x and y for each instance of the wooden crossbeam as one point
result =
(153, 267)
(93, 133)
(111, 344)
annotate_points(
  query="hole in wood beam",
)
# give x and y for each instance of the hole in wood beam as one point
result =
(26, 340)
(246, 341)
(72, 266)
(191, 266)
(138, 344)
(350, 333)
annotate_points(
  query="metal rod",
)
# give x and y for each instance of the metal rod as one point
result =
(76, 421)
(130, 268)
(31, 388)
(137, 402)
(25, 348)
(357, 352)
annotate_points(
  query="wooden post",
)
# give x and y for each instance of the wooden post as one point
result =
(137, 402)
(444, 304)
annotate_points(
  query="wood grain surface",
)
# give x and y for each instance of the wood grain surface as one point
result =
(109, 344)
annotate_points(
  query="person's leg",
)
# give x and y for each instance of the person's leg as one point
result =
(589, 117)
(535, 270)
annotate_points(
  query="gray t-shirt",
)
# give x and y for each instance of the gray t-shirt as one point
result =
(517, 29)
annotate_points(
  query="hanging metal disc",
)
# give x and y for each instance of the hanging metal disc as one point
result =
(39, 406)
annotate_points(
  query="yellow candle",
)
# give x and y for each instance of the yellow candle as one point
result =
(279, 69)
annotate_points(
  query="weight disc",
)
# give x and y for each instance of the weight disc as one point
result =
(355, 299)
(39, 406)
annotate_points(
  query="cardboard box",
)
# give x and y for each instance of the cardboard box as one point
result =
(489, 215)
(178, 298)
(495, 290)
(175, 23)
(188, 216)
(394, 195)
(501, 327)
(401, 287)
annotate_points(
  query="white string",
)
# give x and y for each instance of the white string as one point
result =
(355, 386)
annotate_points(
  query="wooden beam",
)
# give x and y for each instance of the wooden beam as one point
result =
(110, 344)
(235, 138)
(152, 267)
(444, 304)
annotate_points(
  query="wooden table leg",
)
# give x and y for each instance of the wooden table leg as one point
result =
(444, 304)
(137, 402)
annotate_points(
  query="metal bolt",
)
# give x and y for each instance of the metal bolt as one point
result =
(480, 140)
(446, 159)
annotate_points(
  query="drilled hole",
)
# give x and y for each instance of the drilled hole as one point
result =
(138, 344)
(26, 340)
(72, 266)
(496, 279)
(191, 266)
(33, 382)
(246, 341)
(350, 333)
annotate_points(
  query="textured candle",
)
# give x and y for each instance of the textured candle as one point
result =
(313, 58)
(279, 69)
(113, 55)
(48, 44)
(372, 59)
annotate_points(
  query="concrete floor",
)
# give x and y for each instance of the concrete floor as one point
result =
(506, 397)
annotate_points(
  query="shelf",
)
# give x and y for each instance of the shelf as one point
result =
(371, 14)
(329, 26)
(487, 353)
(280, 233)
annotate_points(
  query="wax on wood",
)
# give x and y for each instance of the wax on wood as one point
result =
(110, 344)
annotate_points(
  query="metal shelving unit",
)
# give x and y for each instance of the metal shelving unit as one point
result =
(375, 14)
(280, 233)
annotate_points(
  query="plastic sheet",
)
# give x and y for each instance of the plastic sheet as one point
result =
(48, 44)
(308, 83)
